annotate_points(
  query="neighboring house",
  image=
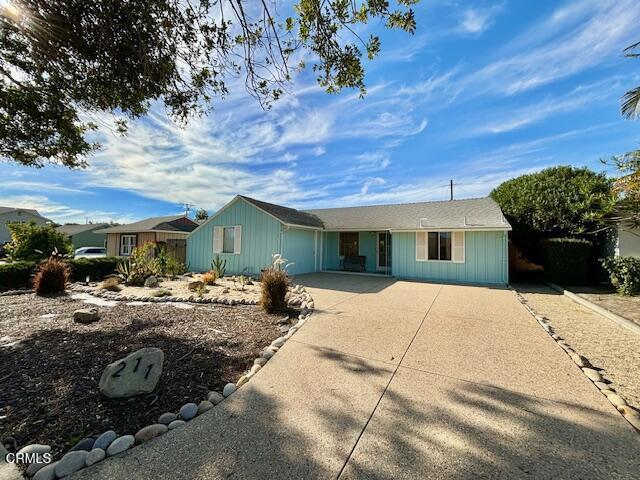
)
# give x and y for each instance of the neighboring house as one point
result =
(22, 215)
(170, 231)
(453, 241)
(85, 235)
(624, 242)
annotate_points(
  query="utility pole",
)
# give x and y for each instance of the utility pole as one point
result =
(187, 207)
(451, 187)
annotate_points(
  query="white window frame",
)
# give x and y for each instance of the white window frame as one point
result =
(218, 239)
(454, 256)
(131, 245)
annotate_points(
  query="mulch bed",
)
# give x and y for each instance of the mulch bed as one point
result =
(50, 366)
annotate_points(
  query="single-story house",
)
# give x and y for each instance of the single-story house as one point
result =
(20, 215)
(624, 242)
(172, 231)
(84, 235)
(452, 241)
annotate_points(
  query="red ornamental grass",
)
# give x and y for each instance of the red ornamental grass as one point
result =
(51, 277)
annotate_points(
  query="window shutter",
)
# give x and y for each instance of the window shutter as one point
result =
(458, 247)
(421, 246)
(237, 241)
(218, 232)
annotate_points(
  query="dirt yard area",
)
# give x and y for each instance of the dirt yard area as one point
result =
(50, 366)
(603, 342)
(627, 307)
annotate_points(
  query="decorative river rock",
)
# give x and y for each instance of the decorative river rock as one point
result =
(134, 374)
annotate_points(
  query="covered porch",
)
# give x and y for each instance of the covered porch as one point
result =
(364, 252)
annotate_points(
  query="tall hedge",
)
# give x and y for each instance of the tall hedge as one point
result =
(566, 261)
(18, 274)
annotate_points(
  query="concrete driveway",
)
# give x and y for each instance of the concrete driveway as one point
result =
(392, 379)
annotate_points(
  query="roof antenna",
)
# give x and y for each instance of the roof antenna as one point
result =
(187, 207)
(451, 187)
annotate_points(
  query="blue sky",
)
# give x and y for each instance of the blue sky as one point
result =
(483, 92)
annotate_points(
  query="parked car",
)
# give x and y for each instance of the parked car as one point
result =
(91, 252)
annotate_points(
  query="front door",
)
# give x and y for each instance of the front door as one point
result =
(383, 251)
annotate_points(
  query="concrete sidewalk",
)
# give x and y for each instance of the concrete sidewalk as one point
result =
(402, 380)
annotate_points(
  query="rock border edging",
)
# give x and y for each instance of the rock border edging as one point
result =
(109, 444)
(587, 368)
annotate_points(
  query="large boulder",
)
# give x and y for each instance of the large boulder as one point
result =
(151, 282)
(195, 285)
(135, 374)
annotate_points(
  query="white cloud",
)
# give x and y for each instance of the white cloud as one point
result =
(478, 20)
(370, 162)
(578, 98)
(571, 44)
(61, 213)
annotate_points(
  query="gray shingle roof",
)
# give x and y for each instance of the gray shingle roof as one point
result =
(287, 215)
(74, 229)
(16, 209)
(468, 214)
(151, 224)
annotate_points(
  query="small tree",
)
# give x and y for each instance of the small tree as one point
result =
(30, 241)
(201, 215)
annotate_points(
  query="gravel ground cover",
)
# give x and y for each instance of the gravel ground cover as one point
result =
(224, 287)
(50, 366)
(604, 343)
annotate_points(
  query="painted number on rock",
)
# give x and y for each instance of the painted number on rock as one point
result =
(123, 365)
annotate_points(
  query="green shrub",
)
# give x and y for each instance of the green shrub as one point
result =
(16, 275)
(35, 242)
(51, 276)
(139, 266)
(566, 261)
(94, 268)
(624, 273)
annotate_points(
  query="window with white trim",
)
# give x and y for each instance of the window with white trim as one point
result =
(440, 247)
(227, 240)
(127, 244)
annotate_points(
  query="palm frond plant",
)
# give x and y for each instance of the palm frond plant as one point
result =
(631, 100)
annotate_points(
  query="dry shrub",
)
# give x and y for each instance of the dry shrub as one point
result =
(209, 278)
(51, 277)
(112, 284)
(161, 293)
(273, 289)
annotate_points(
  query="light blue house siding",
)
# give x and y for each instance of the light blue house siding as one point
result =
(260, 240)
(486, 260)
(331, 250)
(299, 247)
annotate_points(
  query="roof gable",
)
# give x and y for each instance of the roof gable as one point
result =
(172, 223)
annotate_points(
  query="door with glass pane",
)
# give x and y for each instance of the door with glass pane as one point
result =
(384, 251)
